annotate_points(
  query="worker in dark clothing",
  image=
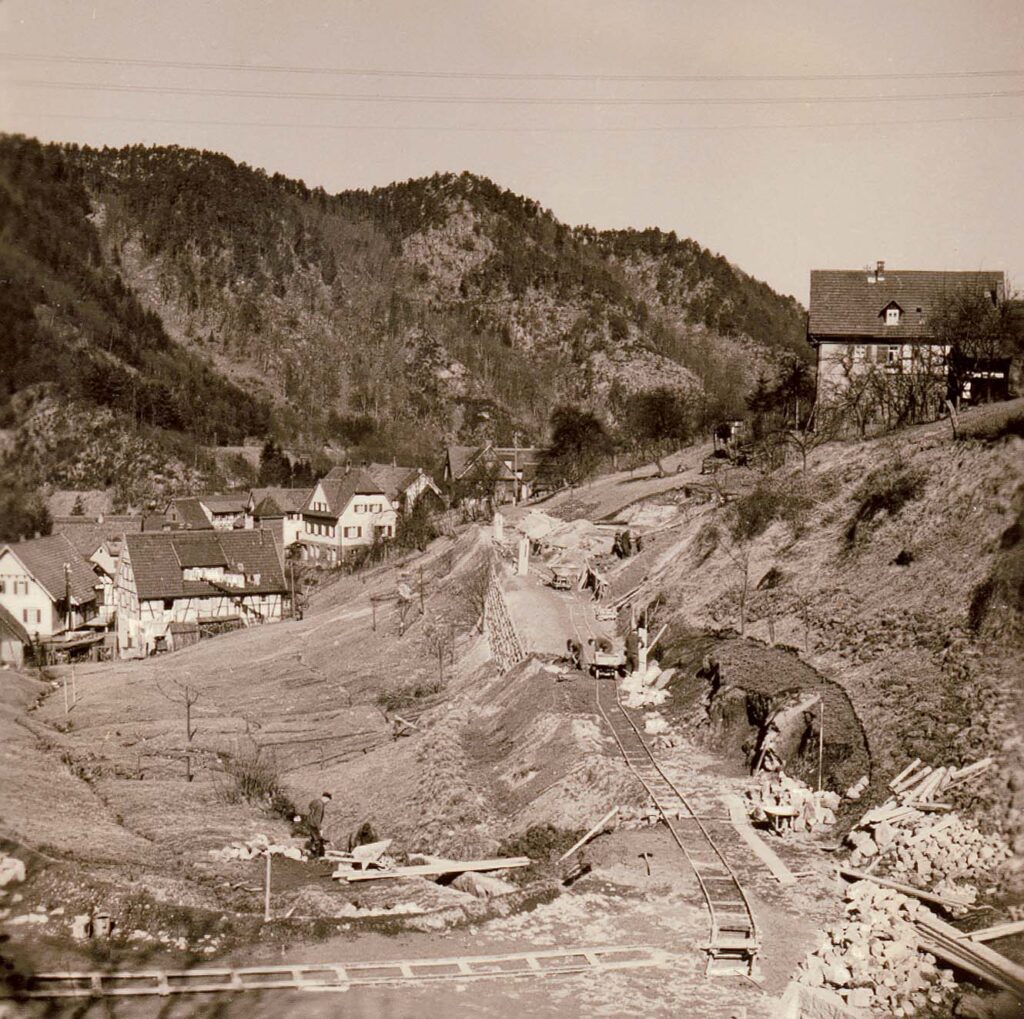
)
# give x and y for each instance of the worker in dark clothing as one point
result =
(311, 825)
(632, 649)
(574, 652)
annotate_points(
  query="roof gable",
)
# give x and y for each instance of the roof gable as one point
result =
(852, 303)
(44, 559)
(337, 493)
(158, 559)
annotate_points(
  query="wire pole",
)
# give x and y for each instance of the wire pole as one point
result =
(821, 737)
(266, 892)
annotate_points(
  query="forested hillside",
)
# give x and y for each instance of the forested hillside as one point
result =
(206, 301)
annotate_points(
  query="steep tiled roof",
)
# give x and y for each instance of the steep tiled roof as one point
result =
(44, 558)
(158, 559)
(340, 490)
(87, 533)
(275, 502)
(845, 303)
(460, 457)
(190, 514)
(231, 502)
(9, 622)
(392, 480)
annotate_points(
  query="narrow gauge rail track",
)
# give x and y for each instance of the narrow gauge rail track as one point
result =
(733, 943)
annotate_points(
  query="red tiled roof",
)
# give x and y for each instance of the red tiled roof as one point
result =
(845, 304)
(44, 558)
(339, 491)
(190, 514)
(8, 621)
(87, 534)
(275, 502)
(159, 557)
(393, 480)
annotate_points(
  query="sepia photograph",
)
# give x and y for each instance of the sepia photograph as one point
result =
(511, 509)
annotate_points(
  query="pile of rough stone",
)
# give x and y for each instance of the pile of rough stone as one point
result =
(778, 795)
(641, 690)
(925, 844)
(872, 959)
(258, 845)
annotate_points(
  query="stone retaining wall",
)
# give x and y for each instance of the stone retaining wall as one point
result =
(507, 647)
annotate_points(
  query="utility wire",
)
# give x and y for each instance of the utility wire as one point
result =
(574, 129)
(226, 93)
(355, 72)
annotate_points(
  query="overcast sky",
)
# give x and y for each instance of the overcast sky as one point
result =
(616, 113)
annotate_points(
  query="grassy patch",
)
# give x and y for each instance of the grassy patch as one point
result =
(408, 695)
(255, 778)
(884, 491)
(789, 500)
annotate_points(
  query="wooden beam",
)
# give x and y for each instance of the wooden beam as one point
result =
(590, 834)
(941, 900)
(437, 869)
(740, 821)
(999, 930)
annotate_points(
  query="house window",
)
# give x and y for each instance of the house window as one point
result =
(39, 616)
(375, 507)
(3, 587)
(892, 316)
(24, 615)
(353, 532)
(892, 355)
(168, 603)
(360, 507)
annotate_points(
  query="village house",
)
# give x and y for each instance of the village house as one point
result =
(278, 510)
(879, 319)
(343, 514)
(508, 473)
(205, 512)
(47, 585)
(171, 587)
(404, 486)
(13, 640)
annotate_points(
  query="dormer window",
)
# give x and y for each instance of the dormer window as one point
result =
(891, 313)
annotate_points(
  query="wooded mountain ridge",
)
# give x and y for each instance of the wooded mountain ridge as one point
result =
(202, 301)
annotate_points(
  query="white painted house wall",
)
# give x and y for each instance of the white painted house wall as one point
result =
(329, 539)
(26, 599)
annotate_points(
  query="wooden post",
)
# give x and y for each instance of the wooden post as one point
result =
(64, 681)
(440, 661)
(266, 891)
(821, 737)
(451, 645)
(74, 686)
(291, 571)
(423, 609)
(373, 605)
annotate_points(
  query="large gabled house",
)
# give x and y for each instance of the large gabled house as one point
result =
(404, 486)
(344, 514)
(504, 473)
(878, 319)
(172, 586)
(278, 510)
(206, 512)
(47, 585)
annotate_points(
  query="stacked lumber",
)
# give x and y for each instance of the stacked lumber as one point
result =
(908, 840)
(779, 794)
(258, 845)
(437, 868)
(872, 960)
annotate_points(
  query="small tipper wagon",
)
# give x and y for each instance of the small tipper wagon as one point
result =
(562, 577)
(607, 664)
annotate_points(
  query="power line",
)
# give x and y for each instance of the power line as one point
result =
(573, 129)
(378, 98)
(506, 75)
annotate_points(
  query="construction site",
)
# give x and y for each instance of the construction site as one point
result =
(617, 752)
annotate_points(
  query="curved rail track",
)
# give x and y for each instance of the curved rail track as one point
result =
(733, 943)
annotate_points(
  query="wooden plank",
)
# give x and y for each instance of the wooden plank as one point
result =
(590, 834)
(999, 930)
(437, 869)
(945, 941)
(905, 773)
(941, 900)
(740, 821)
